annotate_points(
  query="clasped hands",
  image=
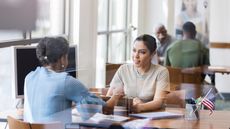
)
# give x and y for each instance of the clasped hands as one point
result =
(136, 104)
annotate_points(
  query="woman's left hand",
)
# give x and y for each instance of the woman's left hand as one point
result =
(137, 101)
(136, 108)
(136, 105)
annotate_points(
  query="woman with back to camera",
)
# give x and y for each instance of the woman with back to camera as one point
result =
(143, 81)
(49, 91)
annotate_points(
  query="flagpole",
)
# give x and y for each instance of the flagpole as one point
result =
(207, 94)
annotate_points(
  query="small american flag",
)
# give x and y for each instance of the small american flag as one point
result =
(209, 104)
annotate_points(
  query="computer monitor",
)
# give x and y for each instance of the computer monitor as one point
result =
(25, 61)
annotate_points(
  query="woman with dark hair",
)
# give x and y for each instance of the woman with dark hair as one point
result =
(49, 91)
(144, 82)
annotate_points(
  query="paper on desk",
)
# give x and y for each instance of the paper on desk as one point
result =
(157, 115)
(136, 124)
(98, 117)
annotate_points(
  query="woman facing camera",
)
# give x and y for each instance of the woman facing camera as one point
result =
(143, 81)
(49, 91)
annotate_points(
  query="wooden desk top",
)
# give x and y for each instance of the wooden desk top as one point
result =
(218, 120)
(219, 69)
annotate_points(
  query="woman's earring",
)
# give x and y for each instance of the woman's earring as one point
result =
(62, 66)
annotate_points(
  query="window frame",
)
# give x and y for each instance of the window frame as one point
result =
(108, 32)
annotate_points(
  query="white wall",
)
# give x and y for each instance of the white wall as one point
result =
(219, 32)
(153, 12)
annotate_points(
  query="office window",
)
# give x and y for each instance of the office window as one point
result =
(115, 25)
(118, 14)
(117, 48)
(112, 23)
(102, 15)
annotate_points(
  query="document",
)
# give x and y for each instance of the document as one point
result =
(102, 121)
(157, 115)
(101, 117)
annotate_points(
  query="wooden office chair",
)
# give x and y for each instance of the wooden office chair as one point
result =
(185, 75)
(175, 77)
(111, 69)
(192, 75)
(18, 124)
(184, 83)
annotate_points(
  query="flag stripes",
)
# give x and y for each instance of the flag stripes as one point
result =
(209, 104)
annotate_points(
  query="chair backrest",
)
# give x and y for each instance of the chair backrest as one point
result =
(18, 124)
(184, 83)
(175, 77)
(52, 125)
(185, 75)
(111, 69)
(192, 75)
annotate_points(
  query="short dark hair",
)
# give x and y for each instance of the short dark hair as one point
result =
(50, 49)
(189, 27)
(149, 41)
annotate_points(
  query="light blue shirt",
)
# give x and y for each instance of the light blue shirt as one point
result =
(49, 95)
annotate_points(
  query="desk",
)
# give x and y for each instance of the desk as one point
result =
(218, 120)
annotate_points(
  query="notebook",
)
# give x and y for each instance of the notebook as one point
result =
(157, 115)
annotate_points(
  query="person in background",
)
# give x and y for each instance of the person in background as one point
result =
(146, 83)
(49, 91)
(164, 40)
(188, 52)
